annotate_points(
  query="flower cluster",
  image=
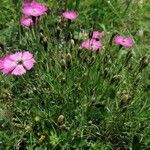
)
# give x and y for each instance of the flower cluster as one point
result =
(93, 43)
(32, 11)
(17, 63)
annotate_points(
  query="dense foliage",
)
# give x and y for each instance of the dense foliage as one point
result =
(74, 98)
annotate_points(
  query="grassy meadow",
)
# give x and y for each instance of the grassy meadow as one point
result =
(75, 99)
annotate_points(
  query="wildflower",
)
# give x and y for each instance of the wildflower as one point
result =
(71, 15)
(33, 9)
(27, 21)
(34, 4)
(92, 44)
(97, 34)
(123, 41)
(17, 63)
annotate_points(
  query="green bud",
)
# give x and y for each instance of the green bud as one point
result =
(144, 63)
(45, 43)
(63, 65)
(115, 79)
(68, 60)
(61, 120)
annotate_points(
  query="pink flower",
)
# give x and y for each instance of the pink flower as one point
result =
(17, 63)
(32, 11)
(34, 4)
(92, 44)
(123, 41)
(97, 34)
(71, 15)
(27, 21)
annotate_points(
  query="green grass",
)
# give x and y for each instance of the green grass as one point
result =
(100, 102)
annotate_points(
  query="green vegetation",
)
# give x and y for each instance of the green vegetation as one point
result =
(74, 99)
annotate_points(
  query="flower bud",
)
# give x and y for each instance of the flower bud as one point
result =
(63, 65)
(68, 60)
(41, 38)
(105, 73)
(37, 118)
(144, 63)
(45, 43)
(41, 31)
(61, 120)
(90, 122)
(63, 80)
(115, 79)
(140, 33)
(125, 98)
(71, 43)
(28, 128)
(58, 30)
(42, 138)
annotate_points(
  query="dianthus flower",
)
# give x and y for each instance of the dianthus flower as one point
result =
(71, 15)
(27, 21)
(17, 63)
(123, 41)
(92, 44)
(97, 34)
(33, 9)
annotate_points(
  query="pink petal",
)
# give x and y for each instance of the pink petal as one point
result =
(9, 64)
(86, 44)
(28, 64)
(26, 56)
(16, 57)
(6, 71)
(96, 45)
(33, 11)
(127, 42)
(118, 39)
(97, 34)
(19, 70)
(35, 4)
(28, 22)
(72, 15)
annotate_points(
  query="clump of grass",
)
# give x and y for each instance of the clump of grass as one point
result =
(75, 99)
